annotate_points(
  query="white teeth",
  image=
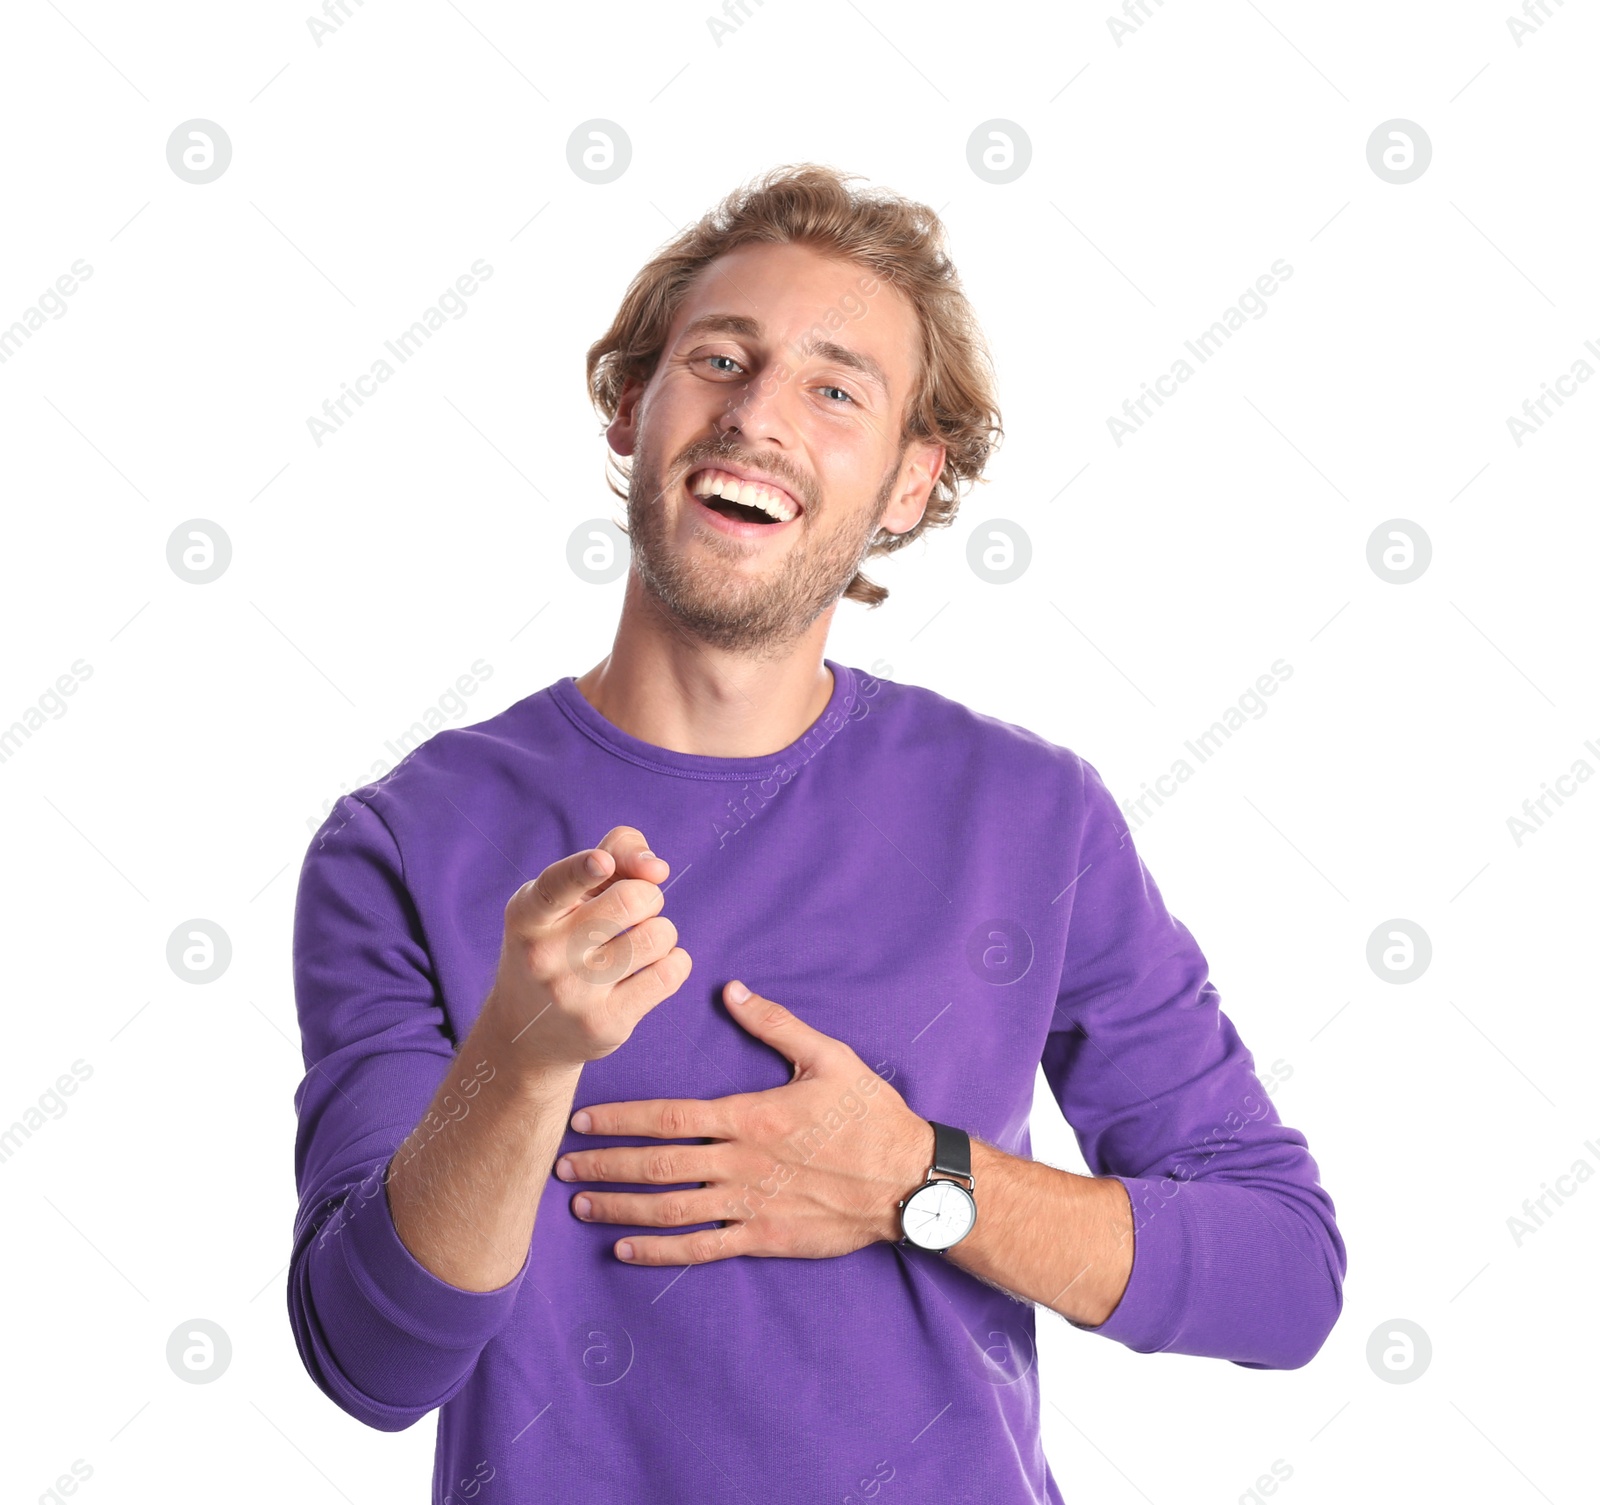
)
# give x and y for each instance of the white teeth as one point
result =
(750, 493)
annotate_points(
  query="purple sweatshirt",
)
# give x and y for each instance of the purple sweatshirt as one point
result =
(956, 898)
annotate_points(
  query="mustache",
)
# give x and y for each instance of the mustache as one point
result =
(708, 451)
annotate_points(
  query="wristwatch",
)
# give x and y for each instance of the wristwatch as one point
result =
(941, 1212)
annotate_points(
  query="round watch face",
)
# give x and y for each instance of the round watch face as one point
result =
(939, 1215)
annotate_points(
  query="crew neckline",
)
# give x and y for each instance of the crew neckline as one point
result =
(666, 760)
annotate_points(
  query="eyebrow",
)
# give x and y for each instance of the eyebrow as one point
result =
(829, 350)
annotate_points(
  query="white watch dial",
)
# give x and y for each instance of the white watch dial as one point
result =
(939, 1215)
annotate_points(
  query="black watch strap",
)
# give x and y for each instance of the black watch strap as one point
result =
(952, 1151)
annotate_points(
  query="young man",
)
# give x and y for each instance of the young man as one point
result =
(790, 1249)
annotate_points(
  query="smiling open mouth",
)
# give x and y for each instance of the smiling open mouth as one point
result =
(747, 501)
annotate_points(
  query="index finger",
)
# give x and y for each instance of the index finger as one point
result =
(564, 884)
(630, 856)
(656, 1118)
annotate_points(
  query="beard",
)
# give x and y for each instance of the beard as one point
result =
(758, 616)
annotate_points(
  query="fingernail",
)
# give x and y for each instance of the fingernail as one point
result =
(593, 866)
(582, 1206)
(565, 1171)
(581, 1120)
(736, 992)
(624, 1250)
(647, 853)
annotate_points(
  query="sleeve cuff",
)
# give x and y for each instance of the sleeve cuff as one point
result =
(405, 1294)
(1149, 1315)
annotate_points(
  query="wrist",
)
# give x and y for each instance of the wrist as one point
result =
(907, 1169)
(523, 1070)
(941, 1210)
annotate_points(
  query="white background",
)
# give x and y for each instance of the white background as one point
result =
(1168, 573)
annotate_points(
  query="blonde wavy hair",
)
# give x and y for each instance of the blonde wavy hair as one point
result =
(953, 401)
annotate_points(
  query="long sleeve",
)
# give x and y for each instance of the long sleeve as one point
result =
(1236, 1252)
(381, 1335)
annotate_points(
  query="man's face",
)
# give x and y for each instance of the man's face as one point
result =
(788, 370)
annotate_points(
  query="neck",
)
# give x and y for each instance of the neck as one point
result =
(671, 690)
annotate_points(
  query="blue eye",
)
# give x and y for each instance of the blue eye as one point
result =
(730, 360)
(840, 390)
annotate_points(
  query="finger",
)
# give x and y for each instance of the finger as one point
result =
(630, 854)
(659, 1117)
(654, 983)
(617, 910)
(653, 1209)
(685, 1248)
(599, 954)
(641, 1165)
(558, 889)
(622, 852)
(785, 1031)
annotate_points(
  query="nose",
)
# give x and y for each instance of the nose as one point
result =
(756, 413)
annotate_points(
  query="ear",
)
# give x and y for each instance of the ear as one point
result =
(622, 433)
(919, 473)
